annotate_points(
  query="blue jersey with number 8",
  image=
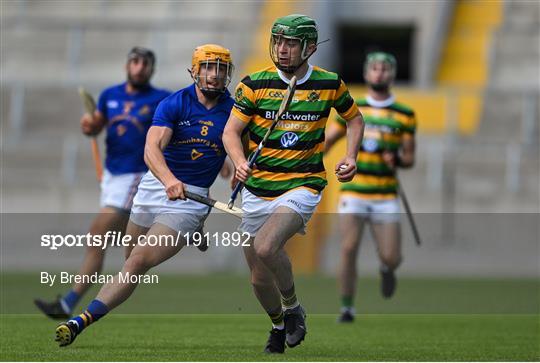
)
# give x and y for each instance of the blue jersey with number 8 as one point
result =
(195, 153)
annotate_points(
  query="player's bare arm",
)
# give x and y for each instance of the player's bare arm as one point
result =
(333, 134)
(405, 154)
(227, 170)
(232, 139)
(355, 130)
(407, 151)
(157, 139)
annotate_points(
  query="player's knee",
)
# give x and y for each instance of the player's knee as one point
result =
(127, 252)
(137, 263)
(391, 260)
(264, 251)
(349, 250)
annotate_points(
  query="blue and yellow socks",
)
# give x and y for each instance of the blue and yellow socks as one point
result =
(95, 311)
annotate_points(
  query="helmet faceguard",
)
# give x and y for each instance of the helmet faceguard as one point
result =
(381, 57)
(209, 56)
(293, 28)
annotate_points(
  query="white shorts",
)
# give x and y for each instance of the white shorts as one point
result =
(151, 205)
(377, 211)
(257, 210)
(117, 191)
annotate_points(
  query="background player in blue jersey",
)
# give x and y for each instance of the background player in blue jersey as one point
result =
(184, 151)
(125, 111)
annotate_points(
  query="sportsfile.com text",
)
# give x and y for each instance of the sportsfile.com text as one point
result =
(118, 239)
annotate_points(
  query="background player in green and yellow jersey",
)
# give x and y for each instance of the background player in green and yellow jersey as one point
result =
(371, 196)
(283, 190)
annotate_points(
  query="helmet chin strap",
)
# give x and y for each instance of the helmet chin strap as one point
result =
(290, 69)
(379, 87)
(211, 94)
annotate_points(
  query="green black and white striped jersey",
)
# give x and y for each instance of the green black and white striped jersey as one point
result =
(387, 124)
(293, 156)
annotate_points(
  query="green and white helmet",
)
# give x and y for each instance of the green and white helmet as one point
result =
(294, 26)
(384, 57)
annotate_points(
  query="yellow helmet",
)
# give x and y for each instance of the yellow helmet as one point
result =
(211, 54)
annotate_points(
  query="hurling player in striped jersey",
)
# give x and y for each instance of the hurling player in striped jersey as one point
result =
(284, 188)
(372, 194)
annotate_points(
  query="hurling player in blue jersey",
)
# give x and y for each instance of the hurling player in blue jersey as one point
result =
(125, 111)
(184, 152)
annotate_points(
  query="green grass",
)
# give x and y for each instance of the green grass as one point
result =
(216, 318)
(232, 294)
(241, 338)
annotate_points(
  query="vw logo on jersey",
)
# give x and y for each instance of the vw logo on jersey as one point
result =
(289, 139)
(370, 145)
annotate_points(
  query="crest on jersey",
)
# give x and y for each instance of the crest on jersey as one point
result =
(128, 106)
(195, 154)
(239, 95)
(145, 110)
(121, 130)
(313, 96)
(289, 139)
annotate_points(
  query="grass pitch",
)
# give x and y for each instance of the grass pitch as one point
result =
(427, 320)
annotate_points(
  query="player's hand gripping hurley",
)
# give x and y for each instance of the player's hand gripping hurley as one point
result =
(237, 212)
(90, 107)
(287, 98)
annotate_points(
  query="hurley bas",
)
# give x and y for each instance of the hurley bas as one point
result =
(95, 278)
